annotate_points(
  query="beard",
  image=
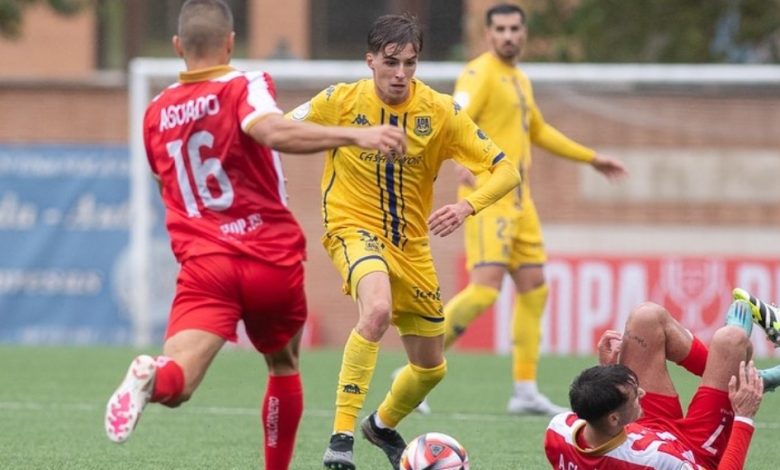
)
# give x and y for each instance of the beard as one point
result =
(508, 51)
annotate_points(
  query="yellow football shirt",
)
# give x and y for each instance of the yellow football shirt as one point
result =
(500, 100)
(360, 188)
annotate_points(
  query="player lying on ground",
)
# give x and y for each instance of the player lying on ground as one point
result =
(626, 411)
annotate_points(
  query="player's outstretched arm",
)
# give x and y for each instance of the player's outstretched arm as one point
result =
(503, 178)
(610, 167)
(745, 395)
(285, 135)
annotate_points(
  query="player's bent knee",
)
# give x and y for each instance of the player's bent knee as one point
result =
(646, 314)
(731, 337)
(284, 362)
(375, 319)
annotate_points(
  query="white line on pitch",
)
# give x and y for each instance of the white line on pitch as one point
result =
(314, 413)
(238, 411)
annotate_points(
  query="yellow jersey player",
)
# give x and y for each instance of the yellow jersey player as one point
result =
(507, 237)
(376, 209)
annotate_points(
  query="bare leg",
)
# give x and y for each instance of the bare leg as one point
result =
(651, 337)
(424, 351)
(193, 350)
(491, 275)
(285, 361)
(528, 278)
(728, 347)
(374, 305)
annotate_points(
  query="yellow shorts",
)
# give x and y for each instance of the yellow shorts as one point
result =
(504, 235)
(417, 307)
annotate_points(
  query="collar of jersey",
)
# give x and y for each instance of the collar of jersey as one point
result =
(603, 448)
(400, 106)
(499, 62)
(207, 73)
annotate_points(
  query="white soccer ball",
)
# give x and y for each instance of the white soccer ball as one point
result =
(434, 451)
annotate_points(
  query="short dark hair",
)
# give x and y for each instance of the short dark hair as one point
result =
(597, 392)
(395, 29)
(503, 9)
(204, 25)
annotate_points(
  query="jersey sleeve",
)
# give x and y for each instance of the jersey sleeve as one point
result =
(737, 448)
(323, 109)
(467, 143)
(472, 148)
(471, 91)
(551, 139)
(258, 99)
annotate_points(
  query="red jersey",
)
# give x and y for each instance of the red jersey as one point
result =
(223, 192)
(638, 448)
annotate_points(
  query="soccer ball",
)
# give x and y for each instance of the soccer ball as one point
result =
(434, 451)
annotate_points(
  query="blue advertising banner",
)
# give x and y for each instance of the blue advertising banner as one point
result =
(64, 274)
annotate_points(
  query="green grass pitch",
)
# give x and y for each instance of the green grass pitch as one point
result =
(52, 402)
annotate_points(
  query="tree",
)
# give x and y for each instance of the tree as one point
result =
(12, 11)
(675, 31)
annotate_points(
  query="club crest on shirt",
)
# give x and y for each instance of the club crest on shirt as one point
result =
(422, 126)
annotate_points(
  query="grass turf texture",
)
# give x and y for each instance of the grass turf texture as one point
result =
(52, 402)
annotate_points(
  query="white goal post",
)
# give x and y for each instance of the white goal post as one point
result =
(147, 73)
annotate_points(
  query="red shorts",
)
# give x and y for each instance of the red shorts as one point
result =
(706, 427)
(214, 292)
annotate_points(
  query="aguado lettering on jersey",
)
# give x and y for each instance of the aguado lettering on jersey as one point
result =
(189, 111)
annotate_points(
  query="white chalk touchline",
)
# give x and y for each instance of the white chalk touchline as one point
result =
(313, 413)
(239, 411)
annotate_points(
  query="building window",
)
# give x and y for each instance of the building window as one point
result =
(143, 28)
(339, 27)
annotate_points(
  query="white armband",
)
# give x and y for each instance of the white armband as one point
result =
(744, 419)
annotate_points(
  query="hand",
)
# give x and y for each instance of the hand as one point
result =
(447, 219)
(389, 140)
(612, 168)
(609, 347)
(464, 176)
(746, 398)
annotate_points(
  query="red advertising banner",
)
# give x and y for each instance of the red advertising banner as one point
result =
(590, 294)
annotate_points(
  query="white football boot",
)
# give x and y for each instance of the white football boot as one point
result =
(536, 404)
(128, 401)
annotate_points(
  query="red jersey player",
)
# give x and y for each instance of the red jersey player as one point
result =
(628, 416)
(209, 141)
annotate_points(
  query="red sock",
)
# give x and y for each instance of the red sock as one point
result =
(282, 410)
(168, 382)
(696, 359)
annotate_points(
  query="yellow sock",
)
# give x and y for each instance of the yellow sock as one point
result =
(408, 389)
(527, 333)
(462, 309)
(357, 369)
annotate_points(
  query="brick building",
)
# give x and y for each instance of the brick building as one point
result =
(704, 159)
